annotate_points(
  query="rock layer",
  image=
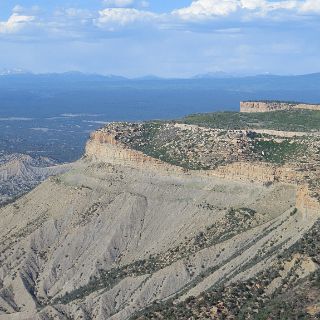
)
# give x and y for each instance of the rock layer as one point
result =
(103, 147)
(267, 106)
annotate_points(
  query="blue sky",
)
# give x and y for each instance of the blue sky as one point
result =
(166, 38)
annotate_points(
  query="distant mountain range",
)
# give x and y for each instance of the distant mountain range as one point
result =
(81, 75)
(24, 94)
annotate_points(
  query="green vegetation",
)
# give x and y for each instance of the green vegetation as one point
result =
(278, 152)
(294, 120)
(152, 143)
(108, 279)
(166, 145)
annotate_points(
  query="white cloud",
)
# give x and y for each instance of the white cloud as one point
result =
(291, 6)
(15, 23)
(273, 10)
(122, 15)
(118, 3)
(284, 5)
(312, 6)
(208, 9)
(112, 18)
(204, 9)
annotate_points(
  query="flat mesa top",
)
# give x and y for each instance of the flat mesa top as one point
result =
(267, 106)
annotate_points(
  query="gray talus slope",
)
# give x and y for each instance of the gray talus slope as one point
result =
(103, 241)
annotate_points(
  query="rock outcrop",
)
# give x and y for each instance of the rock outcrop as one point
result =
(267, 106)
(305, 202)
(104, 147)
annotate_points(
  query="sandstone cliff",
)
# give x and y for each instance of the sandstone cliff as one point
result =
(261, 106)
(103, 147)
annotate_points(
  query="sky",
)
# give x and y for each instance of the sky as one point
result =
(168, 38)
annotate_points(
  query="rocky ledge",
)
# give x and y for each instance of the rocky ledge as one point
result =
(267, 106)
(224, 154)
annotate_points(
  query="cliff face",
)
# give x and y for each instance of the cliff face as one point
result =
(307, 106)
(246, 172)
(258, 172)
(260, 106)
(305, 202)
(104, 147)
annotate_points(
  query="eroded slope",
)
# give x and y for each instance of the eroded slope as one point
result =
(124, 230)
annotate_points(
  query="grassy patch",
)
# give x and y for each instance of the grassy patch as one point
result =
(278, 152)
(293, 120)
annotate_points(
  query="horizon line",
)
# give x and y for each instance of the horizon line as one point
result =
(200, 76)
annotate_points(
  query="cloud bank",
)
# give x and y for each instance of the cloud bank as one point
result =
(120, 13)
(15, 23)
(135, 37)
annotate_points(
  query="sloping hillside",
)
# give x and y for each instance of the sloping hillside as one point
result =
(128, 233)
(104, 232)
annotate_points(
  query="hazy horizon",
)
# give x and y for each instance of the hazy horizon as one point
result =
(215, 75)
